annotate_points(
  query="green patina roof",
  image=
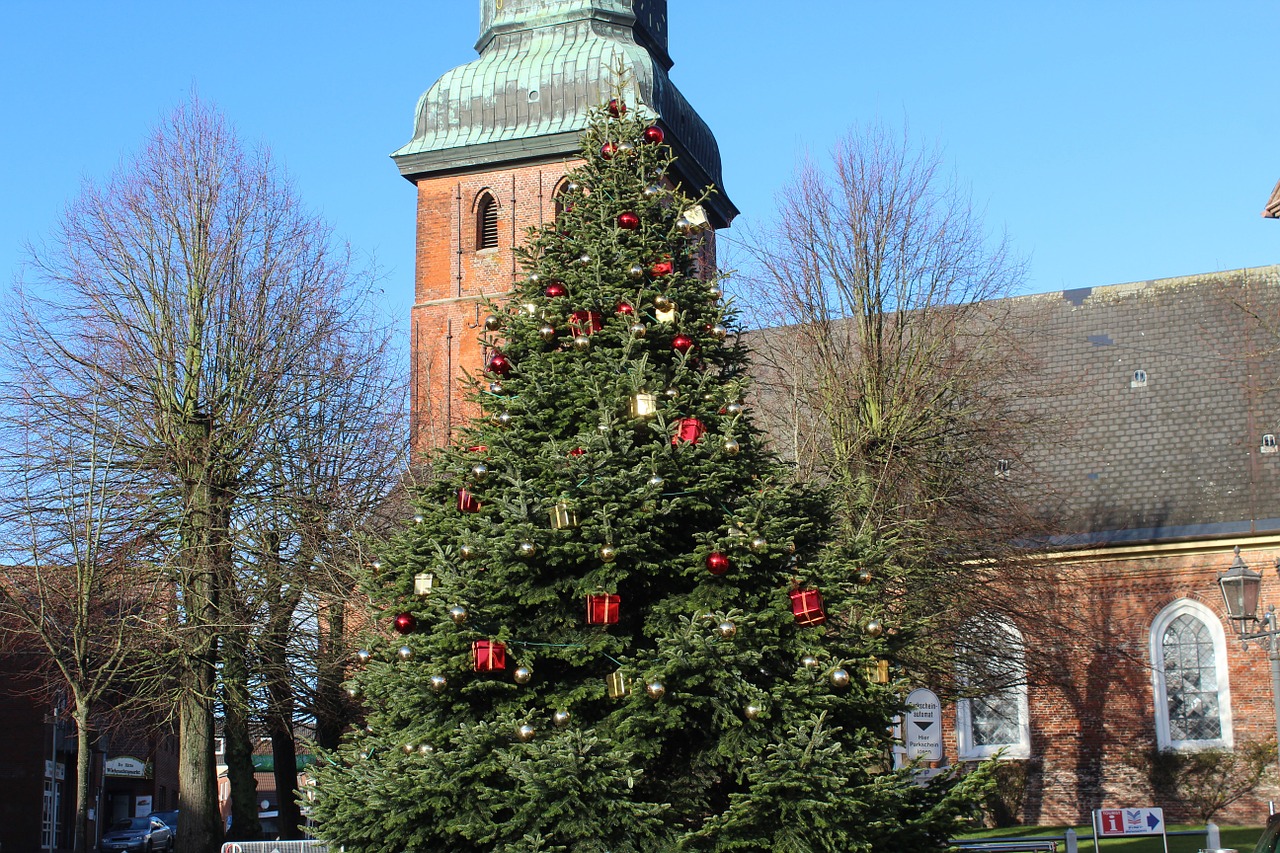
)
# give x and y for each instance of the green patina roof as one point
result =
(543, 64)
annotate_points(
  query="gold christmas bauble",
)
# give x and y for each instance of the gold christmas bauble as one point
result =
(525, 733)
(608, 553)
(759, 544)
(523, 675)
(561, 718)
(839, 678)
(655, 689)
(726, 629)
(874, 628)
(438, 683)
(547, 333)
(527, 549)
(405, 653)
(479, 472)
(458, 614)
(753, 712)
(492, 323)
(582, 343)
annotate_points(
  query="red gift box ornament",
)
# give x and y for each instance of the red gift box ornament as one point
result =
(688, 429)
(489, 655)
(806, 605)
(602, 609)
(661, 268)
(467, 502)
(586, 322)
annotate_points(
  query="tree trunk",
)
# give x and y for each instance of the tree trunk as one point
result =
(330, 710)
(239, 740)
(84, 766)
(197, 773)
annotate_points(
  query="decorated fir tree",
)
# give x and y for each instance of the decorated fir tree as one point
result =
(610, 628)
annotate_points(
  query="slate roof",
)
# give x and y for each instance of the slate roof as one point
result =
(1161, 393)
(543, 65)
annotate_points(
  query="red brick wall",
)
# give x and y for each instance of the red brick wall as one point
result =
(1091, 693)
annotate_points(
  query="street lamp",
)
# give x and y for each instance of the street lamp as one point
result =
(1240, 586)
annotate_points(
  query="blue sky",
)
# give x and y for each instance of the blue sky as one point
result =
(1114, 141)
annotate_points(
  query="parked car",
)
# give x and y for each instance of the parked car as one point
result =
(170, 820)
(142, 834)
(1271, 835)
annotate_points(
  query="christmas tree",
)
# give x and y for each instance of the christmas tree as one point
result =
(612, 626)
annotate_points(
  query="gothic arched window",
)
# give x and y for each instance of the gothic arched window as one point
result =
(1189, 661)
(999, 720)
(486, 222)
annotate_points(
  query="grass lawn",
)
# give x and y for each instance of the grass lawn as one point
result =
(1242, 838)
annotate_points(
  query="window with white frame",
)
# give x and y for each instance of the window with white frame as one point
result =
(999, 720)
(1189, 662)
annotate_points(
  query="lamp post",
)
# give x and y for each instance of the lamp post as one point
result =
(1240, 586)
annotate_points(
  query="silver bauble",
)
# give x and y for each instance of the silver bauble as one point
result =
(839, 678)
(809, 661)
(652, 190)
(582, 343)
(716, 293)
(753, 712)
(726, 629)
(636, 271)
(495, 387)
(426, 749)
(409, 748)
(608, 553)
(572, 187)
(671, 393)
(353, 691)
(493, 323)
(405, 653)
(733, 409)
(525, 733)
(732, 447)
(638, 330)
(523, 675)
(656, 481)
(655, 689)
(759, 545)
(530, 308)
(376, 565)
(363, 656)
(534, 277)
(527, 549)
(561, 718)
(662, 302)
(584, 260)
(438, 683)
(719, 332)
(479, 472)
(874, 628)
(468, 552)
(547, 333)
(504, 419)
(458, 614)
(418, 519)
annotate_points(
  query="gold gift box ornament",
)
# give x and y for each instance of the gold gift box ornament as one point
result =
(422, 583)
(563, 517)
(644, 405)
(618, 686)
(876, 670)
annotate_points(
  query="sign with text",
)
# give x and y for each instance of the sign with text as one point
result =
(923, 729)
(128, 767)
(1113, 823)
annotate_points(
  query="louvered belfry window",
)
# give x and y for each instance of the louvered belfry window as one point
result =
(487, 223)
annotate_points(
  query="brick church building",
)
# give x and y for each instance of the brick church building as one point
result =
(1169, 390)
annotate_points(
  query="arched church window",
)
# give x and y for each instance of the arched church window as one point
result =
(486, 222)
(560, 197)
(1189, 661)
(996, 719)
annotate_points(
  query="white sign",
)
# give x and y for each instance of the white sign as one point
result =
(142, 805)
(922, 732)
(128, 766)
(1112, 823)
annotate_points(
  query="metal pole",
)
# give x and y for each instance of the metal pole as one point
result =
(1273, 654)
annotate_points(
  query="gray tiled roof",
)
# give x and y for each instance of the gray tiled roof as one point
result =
(1178, 456)
(543, 65)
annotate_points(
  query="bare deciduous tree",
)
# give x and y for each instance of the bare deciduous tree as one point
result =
(196, 289)
(889, 368)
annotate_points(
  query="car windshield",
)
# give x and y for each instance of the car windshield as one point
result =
(136, 823)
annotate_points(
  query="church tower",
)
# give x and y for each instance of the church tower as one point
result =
(492, 142)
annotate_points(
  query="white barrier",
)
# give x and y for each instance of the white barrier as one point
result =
(308, 846)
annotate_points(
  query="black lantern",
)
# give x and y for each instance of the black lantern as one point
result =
(1240, 586)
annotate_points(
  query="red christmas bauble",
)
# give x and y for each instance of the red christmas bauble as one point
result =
(661, 268)
(654, 135)
(625, 309)
(556, 289)
(682, 343)
(405, 623)
(608, 150)
(616, 107)
(717, 563)
(577, 451)
(499, 364)
(628, 221)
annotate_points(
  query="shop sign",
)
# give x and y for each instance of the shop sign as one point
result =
(128, 767)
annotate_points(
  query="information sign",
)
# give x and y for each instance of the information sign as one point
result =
(923, 729)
